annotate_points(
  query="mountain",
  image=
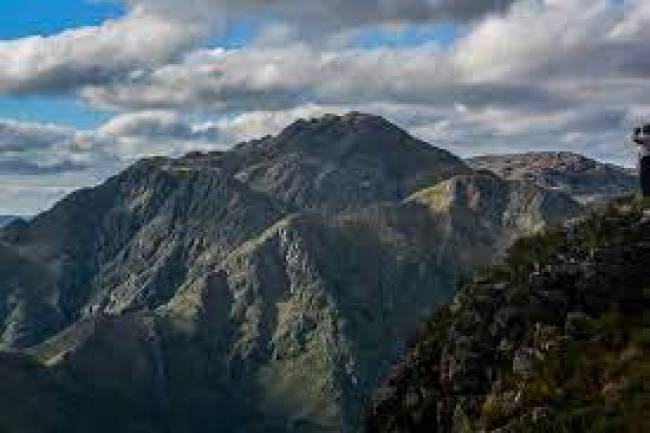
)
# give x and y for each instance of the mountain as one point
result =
(5, 220)
(552, 339)
(133, 241)
(125, 245)
(583, 178)
(338, 163)
(263, 289)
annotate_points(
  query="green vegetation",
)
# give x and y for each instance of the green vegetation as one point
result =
(554, 339)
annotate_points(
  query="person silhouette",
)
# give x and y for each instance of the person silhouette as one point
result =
(641, 137)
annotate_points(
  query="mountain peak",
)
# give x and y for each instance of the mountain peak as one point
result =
(354, 126)
(350, 119)
(335, 163)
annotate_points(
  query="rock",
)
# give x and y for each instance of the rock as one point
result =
(525, 360)
(540, 413)
(578, 325)
(536, 360)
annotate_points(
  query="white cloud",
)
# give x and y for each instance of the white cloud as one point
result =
(155, 32)
(17, 137)
(32, 149)
(553, 57)
(134, 135)
(285, 77)
(92, 54)
(553, 74)
(543, 72)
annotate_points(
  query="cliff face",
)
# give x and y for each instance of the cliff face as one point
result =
(267, 288)
(551, 340)
(583, 178)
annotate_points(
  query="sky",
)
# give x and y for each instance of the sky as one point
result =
(89, 86)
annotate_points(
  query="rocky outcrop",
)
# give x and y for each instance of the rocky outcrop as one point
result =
(551, 340)
(583, 178)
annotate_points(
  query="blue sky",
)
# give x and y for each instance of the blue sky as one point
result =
(22, 18)
(25, 18)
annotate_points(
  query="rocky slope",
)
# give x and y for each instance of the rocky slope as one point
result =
(553, 339)
(583, 178)
(255, 289)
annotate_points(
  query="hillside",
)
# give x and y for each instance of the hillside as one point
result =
(583, 178)
(553, 339)
(34, 400)
(483, 205)
(267, 288)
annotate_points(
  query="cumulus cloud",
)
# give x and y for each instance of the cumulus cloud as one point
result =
(152, 124)
(284, 77)
(532, 55)
(539, 75)
(138, 134)
(32, 148)
(317, 16)
(20, 137)
(549, 71)
(571, 39)
(155, 32)
(95, 54)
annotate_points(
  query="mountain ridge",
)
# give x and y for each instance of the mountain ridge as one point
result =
(584, 178)
(250, 289)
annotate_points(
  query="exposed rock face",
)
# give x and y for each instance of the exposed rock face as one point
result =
(583, 178)
(552, 340)
(263, 289)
